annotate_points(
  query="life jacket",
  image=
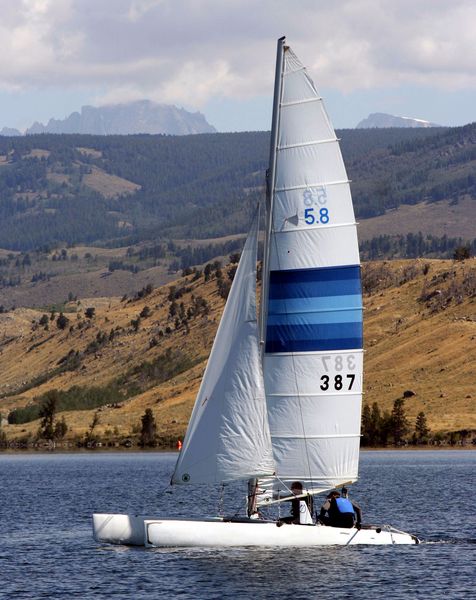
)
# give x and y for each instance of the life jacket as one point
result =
(344, 506)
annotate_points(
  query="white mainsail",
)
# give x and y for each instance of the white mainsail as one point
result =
(228, 434)
(312, 303)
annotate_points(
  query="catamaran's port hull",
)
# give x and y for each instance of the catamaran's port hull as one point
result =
(143, 531)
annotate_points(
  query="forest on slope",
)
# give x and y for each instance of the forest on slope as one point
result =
(121, 190)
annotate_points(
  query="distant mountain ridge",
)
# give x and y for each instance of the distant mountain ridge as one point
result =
(10, 132)
(141, 116)
(386, 120)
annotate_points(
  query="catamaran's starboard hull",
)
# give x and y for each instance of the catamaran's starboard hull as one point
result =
(142, 531)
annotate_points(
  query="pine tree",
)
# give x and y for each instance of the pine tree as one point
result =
(385, 428)
(462, 253)
(60, 429)
(421, 428)
(90, 312)
(148, 429)
(366, 417)
(375, 425)
(62, 321)
(399, 422)
(90, 437)
(47, 415)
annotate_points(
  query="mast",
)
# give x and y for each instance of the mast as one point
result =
(270, 185)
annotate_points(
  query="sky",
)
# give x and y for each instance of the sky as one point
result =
(412, 58)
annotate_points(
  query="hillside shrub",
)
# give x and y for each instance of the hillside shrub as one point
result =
(163, 367)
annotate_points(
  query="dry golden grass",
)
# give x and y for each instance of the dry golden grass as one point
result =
(27, 352)
(90, 152)
(37, 153)
(409, 346)
(434, 218)
(58, 178)
(109, 185)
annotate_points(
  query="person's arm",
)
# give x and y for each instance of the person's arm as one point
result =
(358, 512)
(324, 509)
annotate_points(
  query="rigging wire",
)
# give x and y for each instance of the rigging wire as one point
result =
(221, 501)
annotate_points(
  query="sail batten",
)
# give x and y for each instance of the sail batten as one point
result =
(311, 395)
(295, 229)
(310, 143)
(292, 71)
(314, 437)
(285, 104)
(311, 186)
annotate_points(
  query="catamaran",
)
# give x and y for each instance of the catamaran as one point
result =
(280, 399)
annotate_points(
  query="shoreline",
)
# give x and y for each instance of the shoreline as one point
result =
(136, 450)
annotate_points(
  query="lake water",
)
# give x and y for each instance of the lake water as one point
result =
(47, 550)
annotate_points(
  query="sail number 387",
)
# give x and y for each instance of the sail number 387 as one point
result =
(339, 382)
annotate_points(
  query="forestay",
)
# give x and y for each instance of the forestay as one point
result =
(228, 434)
(312, 308)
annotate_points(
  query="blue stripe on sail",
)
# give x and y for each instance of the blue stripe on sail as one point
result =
(301, 338)
(309, 283)
(311, 346)
(300, 305)
(314, 309)
(316, 318)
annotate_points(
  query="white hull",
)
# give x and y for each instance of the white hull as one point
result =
(143, 531)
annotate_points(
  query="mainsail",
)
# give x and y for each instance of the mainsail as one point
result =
(228, 435)
(306, 426)
(312, 302)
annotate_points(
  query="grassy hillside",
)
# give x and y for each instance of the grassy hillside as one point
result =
(50, 277)
(420, 335)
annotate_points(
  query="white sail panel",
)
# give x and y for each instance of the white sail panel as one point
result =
(314, 247)
(298, 207)
(299, 124)
(299, 86)
(319, 163)
(338, 412)
(325, 472)
(228, 434)
(311, 367)
(313, 347)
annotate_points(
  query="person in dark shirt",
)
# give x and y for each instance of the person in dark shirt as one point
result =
(339, 511)
(296, 489)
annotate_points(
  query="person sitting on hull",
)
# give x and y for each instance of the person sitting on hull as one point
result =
(339, 511)
(301, 507)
